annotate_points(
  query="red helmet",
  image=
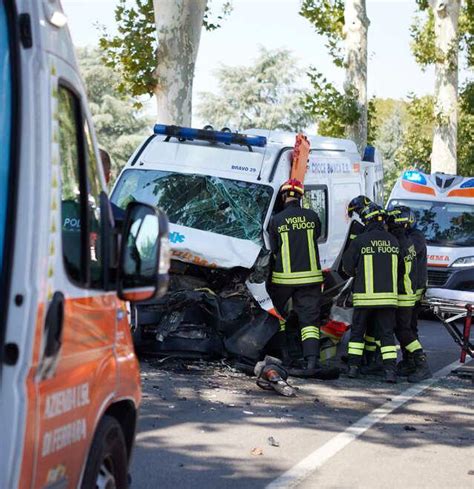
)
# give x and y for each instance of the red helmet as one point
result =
(292, 188)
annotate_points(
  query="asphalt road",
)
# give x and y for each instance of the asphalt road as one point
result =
(208, 427)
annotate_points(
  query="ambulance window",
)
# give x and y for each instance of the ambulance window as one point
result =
(316, 198)
(93, 202)
(69, 151)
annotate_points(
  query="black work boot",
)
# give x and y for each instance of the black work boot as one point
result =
(285, 355)
(390, 370)
(375, 367)
(353, 372)
(312, 362)
(407, 365)
(422, 370)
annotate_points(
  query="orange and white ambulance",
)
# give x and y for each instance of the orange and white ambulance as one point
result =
(69, 378)
(444, 208)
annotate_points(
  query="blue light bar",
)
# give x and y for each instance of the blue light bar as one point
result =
(468, 184)
(414, 176)
(211, 136)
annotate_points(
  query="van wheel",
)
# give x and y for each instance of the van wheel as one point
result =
(107, 463)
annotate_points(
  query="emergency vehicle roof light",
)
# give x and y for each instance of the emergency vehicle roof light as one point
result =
(468, 184)
(414, 176)
(188, 133)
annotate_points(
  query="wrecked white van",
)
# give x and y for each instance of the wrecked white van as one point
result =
(219, 190)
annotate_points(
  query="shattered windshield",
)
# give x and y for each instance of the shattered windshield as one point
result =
(443, 223)
(228, 207)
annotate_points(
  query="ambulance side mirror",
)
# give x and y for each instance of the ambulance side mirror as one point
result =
(144, 254)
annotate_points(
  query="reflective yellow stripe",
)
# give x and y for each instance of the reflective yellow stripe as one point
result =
(369, 274)
(369, 339)
(419, 294)
(356, 345)
(309, 332)
(282, 325)
(376, 302)
(376, 299)
(406, 278)
(395, 273)
(312, 251)
(370, 347)
(285, 253)
(298, 274)
(413, 346)
(406, 300)
(389, 352)
(290, 280)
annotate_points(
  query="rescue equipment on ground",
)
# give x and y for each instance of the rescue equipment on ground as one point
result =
(271, 375)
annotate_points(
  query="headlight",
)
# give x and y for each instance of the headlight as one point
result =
(465, 261)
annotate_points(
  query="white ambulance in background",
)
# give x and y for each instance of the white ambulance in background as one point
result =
(219, 189)
(444, 207)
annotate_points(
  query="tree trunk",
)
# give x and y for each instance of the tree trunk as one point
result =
(356, 26)
(444, 153)
(178, 27)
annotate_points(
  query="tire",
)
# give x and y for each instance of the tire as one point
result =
(107, 463)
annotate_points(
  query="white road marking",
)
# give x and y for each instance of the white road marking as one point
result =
(315, 460)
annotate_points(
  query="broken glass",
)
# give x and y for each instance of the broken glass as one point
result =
(229, 207)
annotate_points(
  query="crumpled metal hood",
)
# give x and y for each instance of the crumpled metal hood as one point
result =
(212, 250)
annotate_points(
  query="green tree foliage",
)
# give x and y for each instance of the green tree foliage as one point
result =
(418, 133)
(423, 34)
(132, 52)
(404, 135)
(391, 117)
(466, 131)
(120, 127)
(332, 109)
(327, 18)
(263, 94)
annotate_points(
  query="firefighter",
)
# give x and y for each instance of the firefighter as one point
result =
(297, 271)
(371, 361)
(419, 241)
(414, 364)
(372, 259)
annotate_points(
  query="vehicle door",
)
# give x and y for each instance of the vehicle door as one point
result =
(76, 371)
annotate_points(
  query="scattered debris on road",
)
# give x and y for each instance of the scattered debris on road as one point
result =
(272, 442)
(256, 452)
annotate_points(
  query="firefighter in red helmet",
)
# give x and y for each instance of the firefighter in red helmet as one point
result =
(297, 273)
